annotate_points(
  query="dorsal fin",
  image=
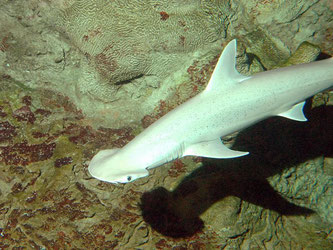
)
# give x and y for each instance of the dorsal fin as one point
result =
(295, 113)
(226, 75)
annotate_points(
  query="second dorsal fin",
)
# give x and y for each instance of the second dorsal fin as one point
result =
(295, 113)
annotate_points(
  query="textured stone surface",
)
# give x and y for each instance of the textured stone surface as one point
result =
(272, 35)
(49, 45)
(142, 40)
(47, 198)
(128, 39)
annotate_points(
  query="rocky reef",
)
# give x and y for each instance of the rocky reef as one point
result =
(77, 76)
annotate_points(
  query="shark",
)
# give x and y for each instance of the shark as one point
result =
(230, 102)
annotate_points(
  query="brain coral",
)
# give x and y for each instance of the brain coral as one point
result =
(125, 39)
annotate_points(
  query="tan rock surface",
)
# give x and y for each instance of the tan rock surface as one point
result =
(53, 119)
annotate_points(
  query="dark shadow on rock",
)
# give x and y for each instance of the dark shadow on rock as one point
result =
(274, 144)
(158, 210)
(323, 56)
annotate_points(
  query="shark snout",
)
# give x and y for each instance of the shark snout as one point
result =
(115, 168)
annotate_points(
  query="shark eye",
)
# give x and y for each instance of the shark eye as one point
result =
(129, 178)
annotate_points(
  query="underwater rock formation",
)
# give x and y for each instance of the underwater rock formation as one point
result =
(60, 104)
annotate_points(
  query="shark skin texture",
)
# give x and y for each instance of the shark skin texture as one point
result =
(229, 103)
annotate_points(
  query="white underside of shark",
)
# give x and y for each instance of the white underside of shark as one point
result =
(229, 103)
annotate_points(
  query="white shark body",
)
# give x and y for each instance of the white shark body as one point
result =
(229, 103)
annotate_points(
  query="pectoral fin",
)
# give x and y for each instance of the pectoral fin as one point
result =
(295, 113)
(212, 149)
